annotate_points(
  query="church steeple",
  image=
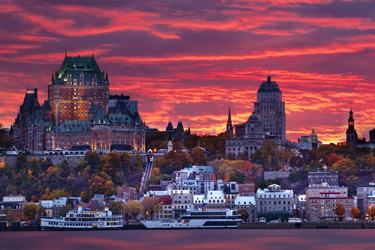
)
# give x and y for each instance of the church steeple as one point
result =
(351, 133)
(229, 122)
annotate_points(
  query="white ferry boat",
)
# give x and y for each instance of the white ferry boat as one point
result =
(82, 219)
(203, 218)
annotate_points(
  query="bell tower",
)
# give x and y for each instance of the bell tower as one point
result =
(351, 133)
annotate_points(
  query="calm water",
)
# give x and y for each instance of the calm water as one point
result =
(191, 239)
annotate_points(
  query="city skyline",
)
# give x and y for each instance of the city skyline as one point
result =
(193, 61)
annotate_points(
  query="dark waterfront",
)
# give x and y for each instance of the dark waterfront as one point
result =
(191, 239)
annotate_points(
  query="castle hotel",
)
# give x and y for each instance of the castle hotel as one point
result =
(79, 111)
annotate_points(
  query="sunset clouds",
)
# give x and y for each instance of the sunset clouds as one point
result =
(192, 60)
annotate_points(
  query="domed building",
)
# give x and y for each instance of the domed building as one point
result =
(251, 140)
(267, 122)
(309, 142)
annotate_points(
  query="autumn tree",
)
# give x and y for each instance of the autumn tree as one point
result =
(133, 207)
(340, 210)
(355, 212)
(149, 206)
(345, 166)
(112, 164)
(55, 194)
(100, 185)
(30, 210)
(371, 212)
(332, 159)
(244, 214)
(117, 207)
(198, 156)
(177, 146)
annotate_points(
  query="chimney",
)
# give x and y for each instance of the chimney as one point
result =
(268, 78)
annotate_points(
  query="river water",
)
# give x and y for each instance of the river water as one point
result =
(192, 239)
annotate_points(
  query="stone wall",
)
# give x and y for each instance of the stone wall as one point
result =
(271, 175)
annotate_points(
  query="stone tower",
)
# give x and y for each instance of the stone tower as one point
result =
(271, 110)
(351, 133)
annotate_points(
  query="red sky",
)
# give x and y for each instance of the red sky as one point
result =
(192, 60)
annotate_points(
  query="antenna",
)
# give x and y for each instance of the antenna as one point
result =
(65, 51)
(92, 51)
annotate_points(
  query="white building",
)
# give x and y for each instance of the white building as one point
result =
(274, 199)
(14, 199)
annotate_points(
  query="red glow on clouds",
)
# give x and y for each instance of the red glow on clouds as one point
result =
(192, 62)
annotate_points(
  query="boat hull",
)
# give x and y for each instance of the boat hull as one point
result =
(193, 224)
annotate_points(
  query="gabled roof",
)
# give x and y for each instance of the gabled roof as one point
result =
(30, 102)
(100, 117)
(46, 106)
(169, 127)
(92, 109)
(119, 119)
(180, 127)
(137, 119)
(121, 108)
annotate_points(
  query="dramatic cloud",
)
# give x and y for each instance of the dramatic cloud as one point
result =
(191, 61)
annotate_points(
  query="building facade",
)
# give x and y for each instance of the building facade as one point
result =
(321, 201)
(267, 122)
(274, 199)
(79, 111)
(365, 198)
(271, 109)
(317, 178)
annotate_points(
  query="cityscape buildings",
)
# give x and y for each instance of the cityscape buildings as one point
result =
(267, 122)
(79, 112)
(352, 136)
(322, 199)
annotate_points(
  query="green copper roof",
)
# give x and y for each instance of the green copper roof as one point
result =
(73, 127)
(77, 67)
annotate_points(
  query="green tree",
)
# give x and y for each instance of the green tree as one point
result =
(266, 156)
(30, 210)
(238, 177)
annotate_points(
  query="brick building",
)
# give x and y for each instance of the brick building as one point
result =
(79, 111)
(316, 178)
(321, 201)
